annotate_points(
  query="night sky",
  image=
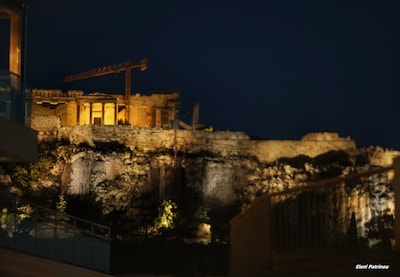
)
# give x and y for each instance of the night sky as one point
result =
(273, 69)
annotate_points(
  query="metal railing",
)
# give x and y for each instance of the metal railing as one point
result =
(332, 214)
(322, 220)
(41, 231)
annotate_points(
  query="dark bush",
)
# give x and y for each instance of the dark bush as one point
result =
(296, 162)
(335, 156)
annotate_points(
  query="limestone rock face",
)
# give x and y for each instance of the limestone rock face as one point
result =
(123, 168)
(217, 180)
(81, 165)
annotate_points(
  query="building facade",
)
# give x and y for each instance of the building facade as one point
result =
(75, 108)
(18, 142)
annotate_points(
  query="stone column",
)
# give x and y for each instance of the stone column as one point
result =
(116, 113)
(71, 114)
(102, 113)
(78, 114)
(142, 117)
(158, 121)
(91, 113)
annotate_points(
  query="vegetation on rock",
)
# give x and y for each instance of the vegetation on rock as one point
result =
(140, 194)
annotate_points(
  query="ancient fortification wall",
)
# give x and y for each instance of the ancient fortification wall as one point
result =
(271, 150)
(155, 139)
(46, 125)
(223, 143)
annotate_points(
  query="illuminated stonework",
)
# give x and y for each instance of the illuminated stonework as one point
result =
(75, 108)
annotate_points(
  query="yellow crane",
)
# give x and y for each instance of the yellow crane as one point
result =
(116, 68)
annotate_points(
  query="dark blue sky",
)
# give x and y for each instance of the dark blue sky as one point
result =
(273, 69)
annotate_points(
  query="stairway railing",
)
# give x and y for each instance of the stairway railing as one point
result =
(37, 230)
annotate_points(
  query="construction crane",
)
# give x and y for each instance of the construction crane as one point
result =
(116, 68)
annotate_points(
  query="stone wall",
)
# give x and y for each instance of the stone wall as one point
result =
(154, 139)
(46, 125)
(223, 143)
(271, 150)
(39, 112)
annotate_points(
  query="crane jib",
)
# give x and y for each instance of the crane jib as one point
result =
(116, 68)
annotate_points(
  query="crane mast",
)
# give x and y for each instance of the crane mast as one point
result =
(116, 68)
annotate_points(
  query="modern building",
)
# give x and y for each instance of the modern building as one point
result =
(18, 142)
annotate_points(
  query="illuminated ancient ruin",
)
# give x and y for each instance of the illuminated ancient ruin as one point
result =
(74, 108)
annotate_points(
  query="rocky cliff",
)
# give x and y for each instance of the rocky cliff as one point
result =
(126, 172)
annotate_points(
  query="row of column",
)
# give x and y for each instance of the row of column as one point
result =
(97, 113)
(109, 113)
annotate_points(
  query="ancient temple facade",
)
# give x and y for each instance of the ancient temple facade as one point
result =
(74, 108)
